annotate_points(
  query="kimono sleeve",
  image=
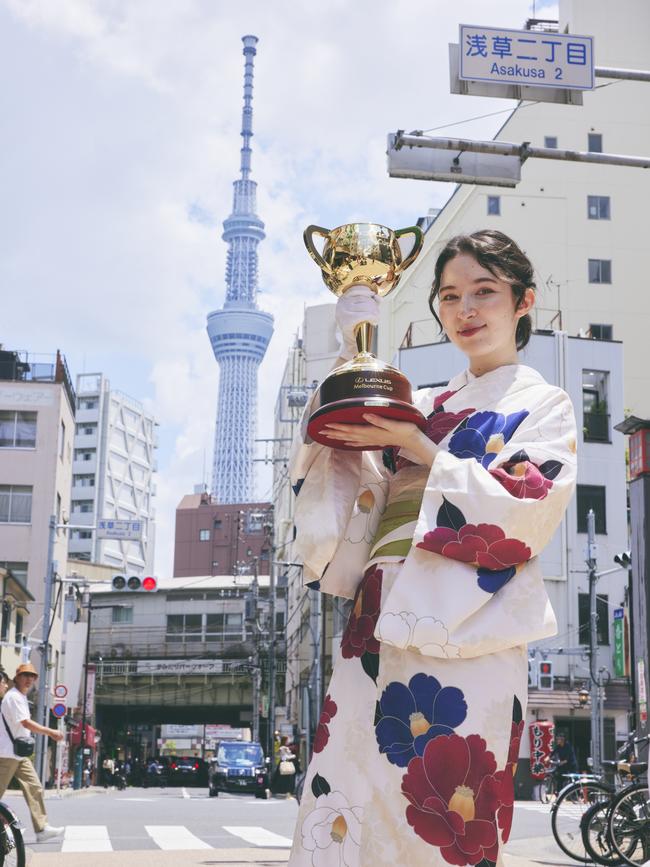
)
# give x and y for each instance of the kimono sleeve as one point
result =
(491, 504)
(340, 497)
(499, 493)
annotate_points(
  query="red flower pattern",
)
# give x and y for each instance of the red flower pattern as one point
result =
(454, 791)
(506, 810)
(358, 637)
(485, 545)
(322, 732)
(523, 480)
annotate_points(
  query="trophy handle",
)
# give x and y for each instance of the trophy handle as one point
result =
(311, 249)
(417, 245)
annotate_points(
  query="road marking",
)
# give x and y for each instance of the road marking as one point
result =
(534, 807)
(174, 837)
(86, 838)
(258, 836)
(184, 792)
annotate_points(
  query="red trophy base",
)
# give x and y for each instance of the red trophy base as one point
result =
(351, 411)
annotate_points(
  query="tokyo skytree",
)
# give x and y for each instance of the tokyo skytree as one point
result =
(239, 332)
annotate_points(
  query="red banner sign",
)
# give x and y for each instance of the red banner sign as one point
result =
(541, 740)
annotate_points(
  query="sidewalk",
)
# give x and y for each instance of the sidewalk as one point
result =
(153, 858)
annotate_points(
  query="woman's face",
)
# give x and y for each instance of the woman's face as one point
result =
(477, 311)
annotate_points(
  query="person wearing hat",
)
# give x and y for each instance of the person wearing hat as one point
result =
(16, 723)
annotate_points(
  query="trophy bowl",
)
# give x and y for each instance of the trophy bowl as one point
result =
(362, 254)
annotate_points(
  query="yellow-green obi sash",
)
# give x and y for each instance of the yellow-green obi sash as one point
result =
(394, 534)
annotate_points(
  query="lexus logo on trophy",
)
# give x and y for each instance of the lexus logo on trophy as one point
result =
(362, 254)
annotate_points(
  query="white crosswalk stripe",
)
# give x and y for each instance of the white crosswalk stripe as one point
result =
(86, 838)
(174, 837)
(258, 836)
(96, 838)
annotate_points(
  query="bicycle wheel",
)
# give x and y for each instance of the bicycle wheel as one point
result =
(629, 824)
(595, 835)
(12, 847)
(566, 815)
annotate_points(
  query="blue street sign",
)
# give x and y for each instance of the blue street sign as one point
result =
(59, 710)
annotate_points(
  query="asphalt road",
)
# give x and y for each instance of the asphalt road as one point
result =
(197, 830)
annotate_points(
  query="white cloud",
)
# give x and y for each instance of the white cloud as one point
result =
(121, 146)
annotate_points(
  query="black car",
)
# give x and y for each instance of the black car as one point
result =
(186, 771)
(239, 766)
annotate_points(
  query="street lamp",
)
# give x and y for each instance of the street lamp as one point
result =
(583, 697)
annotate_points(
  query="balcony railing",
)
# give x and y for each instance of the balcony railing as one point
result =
(20, 366)
(596, 427)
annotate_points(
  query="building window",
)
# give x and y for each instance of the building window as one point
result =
(19, 628)
(598, 207)
(591, 497)
(601, 331)
(595, 142)
(550, 141)
(84, 481)
(61, 439)
(84, 534)
(226, 626)
(17, 429)
(595, 415)
(17, 569)
(494, 206)
(204, 535)
(15, 504)
(584, 618)
(217, 523)
(84, 506)
(184, 628)
(600, 270)
(121, 614)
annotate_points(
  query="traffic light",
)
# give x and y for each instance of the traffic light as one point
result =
(134, 583)
(624, 559)
(532, 673)
(545, 676)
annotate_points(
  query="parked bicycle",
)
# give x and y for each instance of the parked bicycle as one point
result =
(12, 846)
(609, 828)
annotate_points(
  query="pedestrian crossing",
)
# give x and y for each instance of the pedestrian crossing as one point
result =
(97, 838)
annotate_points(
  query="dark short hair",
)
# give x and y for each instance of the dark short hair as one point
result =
(4, 677)
(503, 258)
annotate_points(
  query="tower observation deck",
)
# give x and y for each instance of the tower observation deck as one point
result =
(239, 332)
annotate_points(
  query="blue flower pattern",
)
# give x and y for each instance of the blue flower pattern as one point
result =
(492, 580)
(411, 716)
(484, 434)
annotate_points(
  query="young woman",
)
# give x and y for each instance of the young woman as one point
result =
(438, 544)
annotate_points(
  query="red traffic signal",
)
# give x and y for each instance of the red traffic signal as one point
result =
(134, 583)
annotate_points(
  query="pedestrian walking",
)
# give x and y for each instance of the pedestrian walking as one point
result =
(108, 771)
(437, 543)
(16, 746)
(284, 778)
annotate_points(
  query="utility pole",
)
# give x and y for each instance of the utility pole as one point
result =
(42, 704)
(594, 674)
(271, 726)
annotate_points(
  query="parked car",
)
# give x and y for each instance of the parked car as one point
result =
(186, 771)
(239, 766)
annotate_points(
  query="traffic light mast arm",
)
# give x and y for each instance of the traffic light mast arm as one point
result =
(524, 151)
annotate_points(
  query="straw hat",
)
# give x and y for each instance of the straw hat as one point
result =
(25, 668)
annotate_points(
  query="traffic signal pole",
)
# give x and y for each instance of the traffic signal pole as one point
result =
(594, 675)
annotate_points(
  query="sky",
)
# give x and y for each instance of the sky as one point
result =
(119, 122)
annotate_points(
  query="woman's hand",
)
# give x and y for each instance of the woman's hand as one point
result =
(381, 432)
(357, 304)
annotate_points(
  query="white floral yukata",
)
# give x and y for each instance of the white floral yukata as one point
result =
(417, 745)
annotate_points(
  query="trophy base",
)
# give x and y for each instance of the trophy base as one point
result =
(351, 411)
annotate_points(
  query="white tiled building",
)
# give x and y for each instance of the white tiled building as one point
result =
(113, 474)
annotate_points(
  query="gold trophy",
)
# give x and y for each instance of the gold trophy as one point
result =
(365, 254)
